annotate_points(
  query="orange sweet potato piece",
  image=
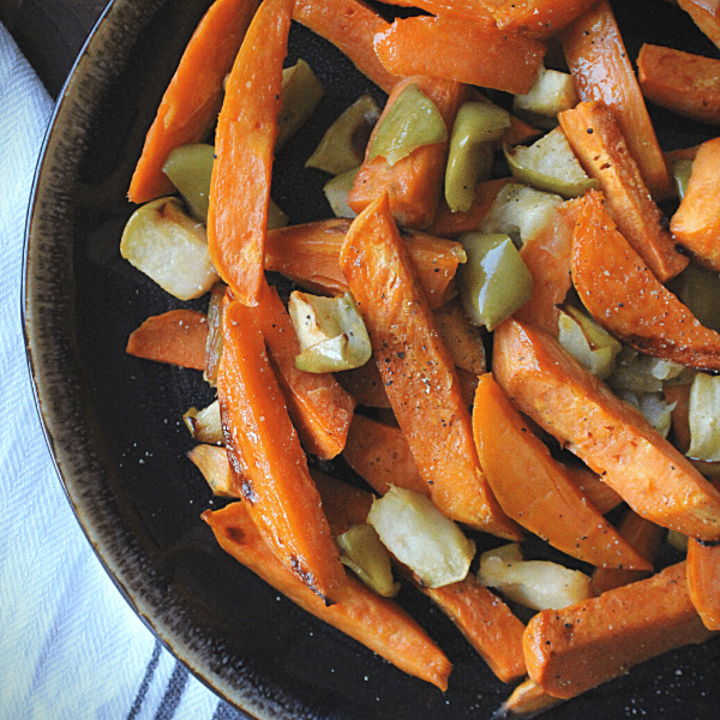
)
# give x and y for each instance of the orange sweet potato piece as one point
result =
(703, 576)
(345, 505)
(244, 150)
(177, 337)
(376, 622)
(468, 384)
(192, 100)
(538, 18)
(267, 459)
(597, 140)
(624, 296)
(600, 494)
(596, 55)
(309, 254)
(380, 454)
(366, 385)
(579, 647)
(350, 25)
(696, 223)
(534, 489)
(319, 406)
(706, 15)
(645, 537)
(486, 622)
(683, 82)
(463, 340)
(467, 9)
(547, 256)
(687, 153)
(419, 375)
(609, 435)
(474, 52)
(484, 619)
(414, 183)
(527, 700)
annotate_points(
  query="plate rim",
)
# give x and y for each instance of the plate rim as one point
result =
(77, 101)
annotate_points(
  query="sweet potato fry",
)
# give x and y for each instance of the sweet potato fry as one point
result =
(706, 15)
(547, 256)
(579, 647)
(683, 82)
(696, 223)
(527, 700)
(463, 340)
(484, 619)
(686, 153)
(645, 537)
(413, 183)
(244, 148)
(309, 254)
(597, 140)
(176, 337)
(612, 437)
(344, 504)
(468, 384)
(463, 9)
(600, 494)
(266, 456)
(320, 407)
(366, 385)
(475, 52)
(192, 100)
(487, 623)
(376, 622)
(538, 18)
(418, 373)
(381, 455)
(534, 489)
(623, 295)
(350, 25)
(703, 575)
(596, 55)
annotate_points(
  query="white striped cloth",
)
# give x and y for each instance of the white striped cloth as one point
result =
(71, 648)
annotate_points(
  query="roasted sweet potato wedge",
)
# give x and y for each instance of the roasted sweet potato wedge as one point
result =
(623, 295)
(611, 436)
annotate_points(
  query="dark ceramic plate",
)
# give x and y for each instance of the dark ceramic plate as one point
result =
(114, 422)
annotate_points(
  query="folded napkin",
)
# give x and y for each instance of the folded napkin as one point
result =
(70, 646)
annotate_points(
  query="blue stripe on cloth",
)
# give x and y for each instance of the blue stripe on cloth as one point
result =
(145, 684)
(173, 694)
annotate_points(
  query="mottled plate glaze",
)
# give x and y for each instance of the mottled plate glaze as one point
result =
(114, 422)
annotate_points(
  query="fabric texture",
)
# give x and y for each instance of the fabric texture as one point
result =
(71, 648)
